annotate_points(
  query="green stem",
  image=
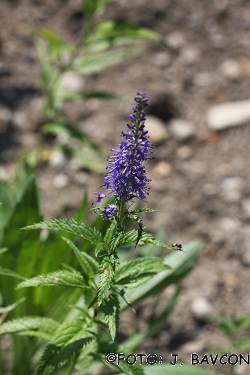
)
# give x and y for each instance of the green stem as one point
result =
(72, 363)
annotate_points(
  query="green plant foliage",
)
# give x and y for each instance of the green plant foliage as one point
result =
(81, 229)
(44, 328)
(57, 278)
(127, 272)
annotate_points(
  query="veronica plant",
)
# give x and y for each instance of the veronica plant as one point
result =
(99, 280)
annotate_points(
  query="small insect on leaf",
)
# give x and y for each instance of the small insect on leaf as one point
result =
(177, 245)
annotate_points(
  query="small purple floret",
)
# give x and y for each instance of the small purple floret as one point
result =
(126, 177)
(108, 213)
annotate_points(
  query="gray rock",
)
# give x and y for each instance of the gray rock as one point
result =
(223, 116)
(156, 129)
(181, 129)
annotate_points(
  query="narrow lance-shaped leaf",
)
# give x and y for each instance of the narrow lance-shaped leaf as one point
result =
(56, 278)
(80, 229)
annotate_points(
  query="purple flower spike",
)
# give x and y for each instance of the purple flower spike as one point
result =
(126, 178)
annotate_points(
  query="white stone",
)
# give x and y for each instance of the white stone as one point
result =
(232, 188)
(204, 79)
(72, 82)
(162, 59)
(223, 116)
(190, 55)
(60, 181)
(184, 152)
(57, 159)
(228, 225)
(182, 129)
(231, 69)
(162, 169)
(157, 129)
(201, 308)
(176, 40)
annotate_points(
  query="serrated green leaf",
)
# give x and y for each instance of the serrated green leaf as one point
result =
(56, 278)
(146, 238)
(111, 312)
(54, 355)
(136, 271)
(110, 233)
(88, 263)
(43, 328)
(68, 332)
(80, 229)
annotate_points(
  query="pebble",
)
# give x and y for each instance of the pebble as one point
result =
(201, 308)
(184, 152)
(162, 169)
(230, 69)
(162, 59)
(228, 225)
(81, 178)
(176, 40)
(232, 188)
(223, 116)
(72, 82)
(204, 79)
(245, 203)
(156, 129)
(190, 55)
(60, 181)
(181, 129)
(56, 159)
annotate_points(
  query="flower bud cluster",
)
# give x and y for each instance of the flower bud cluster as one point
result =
(126, 177)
